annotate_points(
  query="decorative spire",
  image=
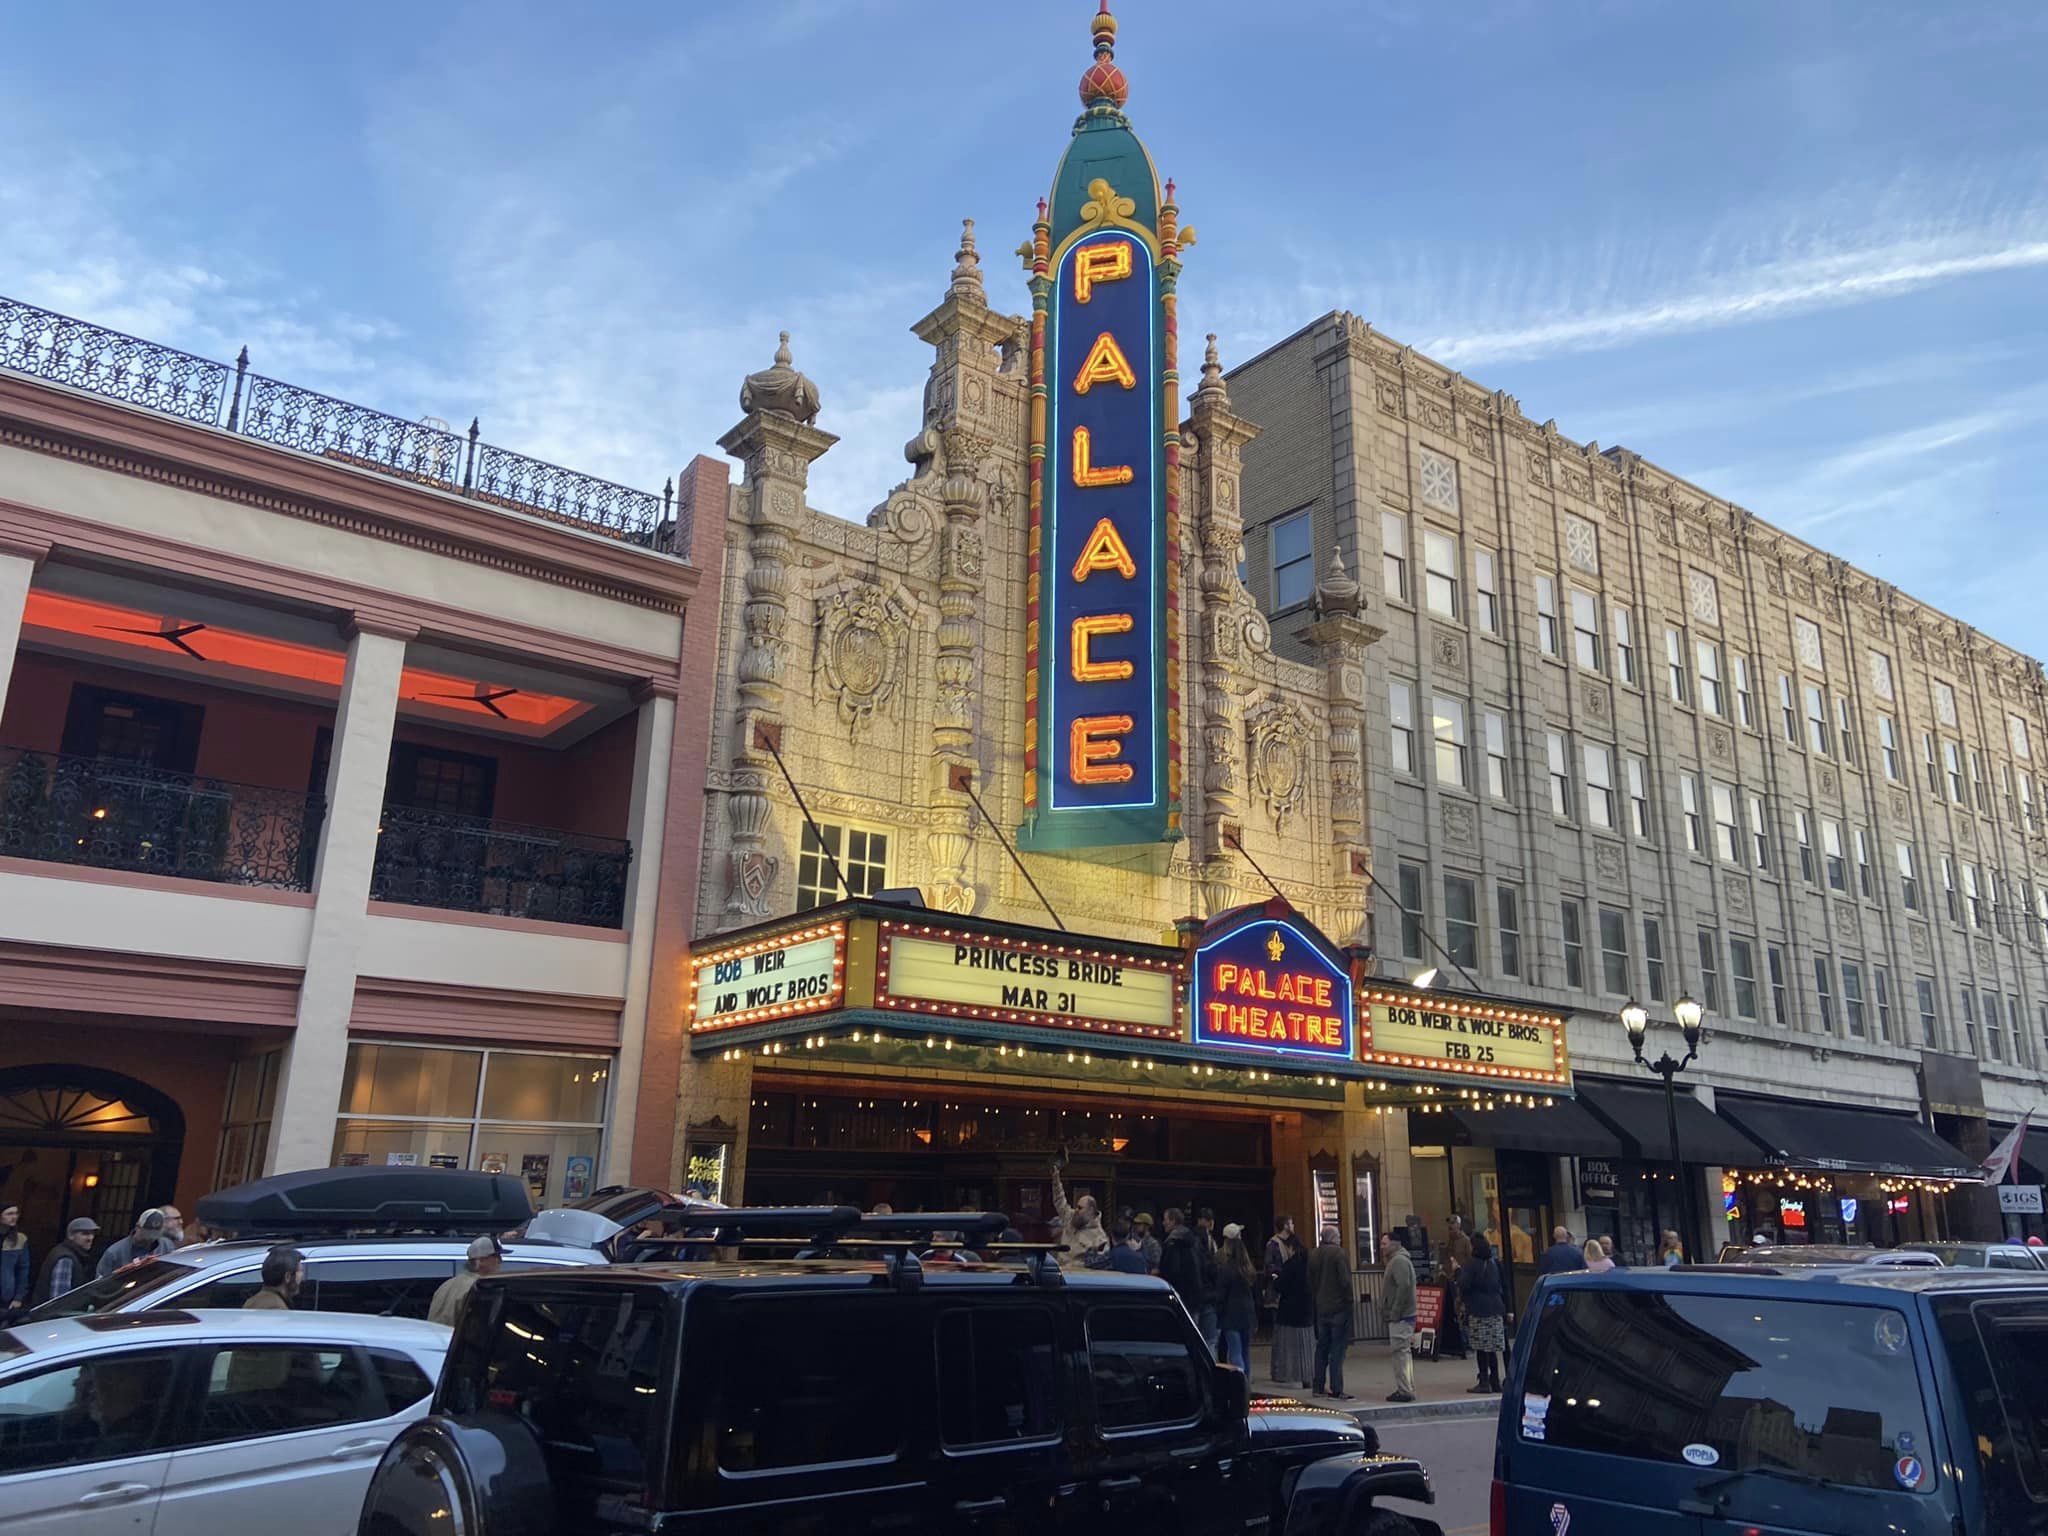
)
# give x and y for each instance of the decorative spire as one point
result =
(781, 390)
(967, 267)
(1337, 593)
(1212, 389)
(1103, 84)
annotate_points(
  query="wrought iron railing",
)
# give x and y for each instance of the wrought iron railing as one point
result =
(474, 864)
(119, 815)
(47, 345)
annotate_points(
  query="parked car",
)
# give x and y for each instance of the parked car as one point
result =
(1986, 1255)
(378, 1241)
(1825, 1253)
(175, 1423)
(1795, 1401)
(858, 1395)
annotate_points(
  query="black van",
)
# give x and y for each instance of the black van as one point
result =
(1710, 1401)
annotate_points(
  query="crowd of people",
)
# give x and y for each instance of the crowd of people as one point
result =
(70, 1261)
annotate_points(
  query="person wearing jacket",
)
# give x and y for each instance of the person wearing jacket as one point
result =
(1294, 1320)
(1329, 1289)
(1083, 1243)
(152, 1236)
(68, 1265)
(1397, 1300)
(1181, 1266)
(1236, 1307)
(17, 1271)
(1480, 1287)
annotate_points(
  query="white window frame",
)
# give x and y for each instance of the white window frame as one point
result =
(1745, 699)
(1624, 630)
(1788, 709)
(1759, 833)
(1888, 746)
(824, 889)
(1689, 802)
(1817, 728)
(1440, 573)
(1834, 855)
(1713, 697)
(1586, 647)
(1909, 875)
(1546, 615)
(1727, 829)
(1845, 729)
(1450, 750)
(1866, 880)
(1560, 775)
(1497, 765)
(1952, 760)
(1394, 556)
(1401, 725)
(1599, 763)
(1742, 974)
(1674, 665)
(1639, 796)
(1486, 582)
(1809, 870)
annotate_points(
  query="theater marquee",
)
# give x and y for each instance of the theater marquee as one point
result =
(1438, 1032)
(953, 973)
(1264, 980)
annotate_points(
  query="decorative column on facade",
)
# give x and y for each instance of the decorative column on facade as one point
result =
(968, 339)
(1339, 637)
(1214, 439)
(777, 443)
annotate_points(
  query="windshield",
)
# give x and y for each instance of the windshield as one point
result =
(1732, 1383)
(122, 1291)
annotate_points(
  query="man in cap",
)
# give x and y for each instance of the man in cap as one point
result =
(152, 1236)
(486, 1257)
(69, 1264)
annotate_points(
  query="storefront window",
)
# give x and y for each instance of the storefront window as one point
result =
(530, 1113)
(245, 1128)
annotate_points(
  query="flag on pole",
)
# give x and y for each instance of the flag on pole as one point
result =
(2004, 1161)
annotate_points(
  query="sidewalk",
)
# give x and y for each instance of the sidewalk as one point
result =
(1369, 1376)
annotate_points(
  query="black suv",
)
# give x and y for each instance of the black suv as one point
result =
(857, 1388)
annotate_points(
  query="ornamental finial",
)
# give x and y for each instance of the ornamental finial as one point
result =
(1212, 388)
(781, 390)
(1337, 594)
(967, 267)
(1103, 83)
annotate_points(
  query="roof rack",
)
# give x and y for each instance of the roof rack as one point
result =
(816, 1232)
(334, 1201)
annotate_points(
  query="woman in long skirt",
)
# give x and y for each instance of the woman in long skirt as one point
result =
(1294, 1321)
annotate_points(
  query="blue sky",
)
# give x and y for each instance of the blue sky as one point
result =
(1797, 252)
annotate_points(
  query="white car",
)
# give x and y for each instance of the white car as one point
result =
(175, 1423)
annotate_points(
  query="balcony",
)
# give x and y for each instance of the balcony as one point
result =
(125, 816)
(474, 864)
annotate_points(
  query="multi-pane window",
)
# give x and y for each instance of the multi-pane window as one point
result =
(1824, 989)
(2041, 910)
(1496, 755)
(1710, 970)
(1447, 725)
(1973, 895)
(1599, 785)
(1759, 833)
(1639, 796)
(2026, 800)
(1394, 555)
(1881, 994)
(2012, 798)
(1781, 993)
(1977, 784)
(1461, 920)
(1409, 878)
(1745, 698)
(1624, 631)
(1969, 1022)
(1614, 952)
(1933, 770)
(1816, 720)
(863, 856)
(1674, 664)
(1440, 572)
(1573, 917)
(1831, 855)
(1994, 1033)
(1689, 802)
(1546, 614)
(1294, 560)
(1788, 713)
(1930, 1025)
(1888, 746)
(1948, 890)
(1486, 583)
(1845, 729)
(1507, 908)
(1653, 957)
(1742, 975)
(1586, 629)
(1852, 997)
(1952, 755)
(1865, 881)
(1803, 825)
(1711, 697)
(1401, 713)
(1909, 877)
(1727, 831)
(1560, 775)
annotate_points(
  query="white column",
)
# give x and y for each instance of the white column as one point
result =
(16, 570)
(646, 820)
(302, 1134)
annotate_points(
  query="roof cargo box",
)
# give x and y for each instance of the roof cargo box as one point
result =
(370, 1199)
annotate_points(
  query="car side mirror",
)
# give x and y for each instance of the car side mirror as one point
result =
(1233, 1391)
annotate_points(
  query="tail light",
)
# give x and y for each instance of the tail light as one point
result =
(1497, 1510)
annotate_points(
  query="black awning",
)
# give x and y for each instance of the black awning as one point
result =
(1562, 1129)
(1637, 1112)
(1829, 1137)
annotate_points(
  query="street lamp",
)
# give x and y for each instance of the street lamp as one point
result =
(1635, 1019)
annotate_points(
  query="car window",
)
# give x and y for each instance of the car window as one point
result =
(124, 1288)
(2000, 1259)
(374, 1287)
(227, 1291)
(279, 1389)
(806, 1381)
(1143, 1367)
(584, 1371)
(2000, 1353)
(998, 1377)
(401, 1378)
(1812, 1387)
(102, 1409)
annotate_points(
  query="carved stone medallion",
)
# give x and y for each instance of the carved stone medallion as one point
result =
(1457, 820)
(1280, 746)
(1608, 862)
(861, 639)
